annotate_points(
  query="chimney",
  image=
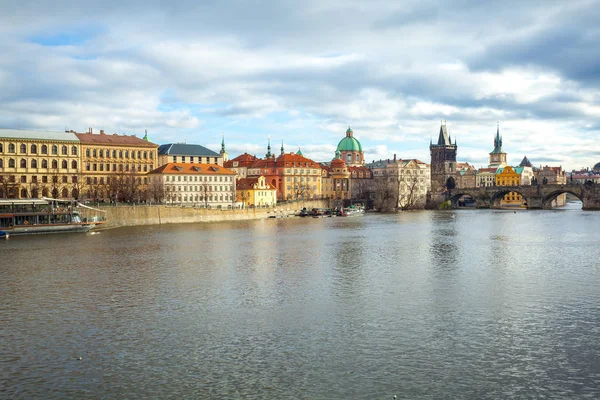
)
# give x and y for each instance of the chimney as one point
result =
(102, 131)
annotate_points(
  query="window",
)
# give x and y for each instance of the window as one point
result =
(174, 158)
(1, 163)
(126, 153)
(23, 148)
(44, 149)
(64, 150)
(23, 179)
(120, 153)
(74, 164)
(11, 148)
(54, 164)
(87, 152)
(54, 149)
(33, 149)
(23, 163)
(64, 164)
(94, 153)
(44, 179)
(1, 148)
(44, 163)
(34, 179)
(145, 155)
(34, 163)
(73, 150)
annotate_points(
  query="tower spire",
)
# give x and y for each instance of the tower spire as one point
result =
(282, 150)
(223, 152)
(268, 155)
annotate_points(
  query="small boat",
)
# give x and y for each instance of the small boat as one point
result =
(37, 216)
(4, 235)
(351, 211)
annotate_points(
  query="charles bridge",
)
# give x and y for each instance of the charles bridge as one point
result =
(535, 196)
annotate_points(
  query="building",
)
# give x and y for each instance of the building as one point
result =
(342, 182)
(443, 161)
(114, 166)
(466, 175)
(513, 176)
(39, 163)
(497, 156)
(198, 185)
(553, 175)
(255, 192)
(240, 164)
(293, 175)
(486, 177)
(351, 150)
(404, 181)
(189, 153)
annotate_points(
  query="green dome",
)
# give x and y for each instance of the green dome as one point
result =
(349, 144)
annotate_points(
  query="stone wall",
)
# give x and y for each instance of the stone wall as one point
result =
(129, 215)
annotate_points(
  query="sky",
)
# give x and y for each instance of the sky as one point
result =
(302, 72)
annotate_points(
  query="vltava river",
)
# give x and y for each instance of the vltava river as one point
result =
(452, 304)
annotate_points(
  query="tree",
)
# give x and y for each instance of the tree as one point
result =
(8, 186)
(302, 190)
(450, 184)
(409, 196)
(386, 193)
(157, 189)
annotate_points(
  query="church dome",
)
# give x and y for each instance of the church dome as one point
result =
(349, 143)
(338, 163)
(597, 167)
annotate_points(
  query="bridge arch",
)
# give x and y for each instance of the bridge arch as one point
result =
(550, 197)
(458, 193)
(501, 191)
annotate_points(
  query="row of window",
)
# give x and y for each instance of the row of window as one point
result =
(200, 188)
(35, 164)
(33, 149)
(301, 179)
(121, 167)
(114, 180)
(35, 192)
(120, 153)
(34, 179)
(210, 198)
(192, 159)
(196, 178)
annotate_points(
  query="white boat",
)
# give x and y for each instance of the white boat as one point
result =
(37, 216)
(351, 211)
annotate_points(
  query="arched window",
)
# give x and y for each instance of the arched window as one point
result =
(1, 148)
(87, 152)
(11, 163)
(114, 154)
(54, 149)
(23, 163)
(73, 150)
(11, 147)
(139, 154)
(44, 149)
(54, 164)
(126, 153)
(94, 153)
(74, 164)
(34, 163)
(145, 155)
(34, 149)
(23, 148)
(101, 153)
(64, 164)
(44, 163)
(64, 150)
(120, 153)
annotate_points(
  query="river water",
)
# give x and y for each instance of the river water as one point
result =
(448, 304)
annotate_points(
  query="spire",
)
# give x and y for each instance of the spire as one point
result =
(146, 136)
(223, 152)
(497, 141)
(268, 155)
(222, 142)
(443, 139)
(282, 150)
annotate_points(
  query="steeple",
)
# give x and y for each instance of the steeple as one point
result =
(223, 152)
(282, 150)
(497, 141)
(443, 139)
(268, 155)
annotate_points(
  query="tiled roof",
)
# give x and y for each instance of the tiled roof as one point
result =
(38, 135)
(248, 184)
(184, 149)
(113, 139)
(243, 160)
(192, 169)
(286, 160)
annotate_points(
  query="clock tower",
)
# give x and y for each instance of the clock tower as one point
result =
(497, 156)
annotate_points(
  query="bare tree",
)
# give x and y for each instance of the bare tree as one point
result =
(8, 186)
(302, 190)
(409, 196)
(386, 193)
(157, 190)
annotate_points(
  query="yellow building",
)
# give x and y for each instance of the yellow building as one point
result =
(255, 192)
(509, 176)
(114, 167)
(39, 163)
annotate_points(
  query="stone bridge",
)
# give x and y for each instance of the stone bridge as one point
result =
(535, 196)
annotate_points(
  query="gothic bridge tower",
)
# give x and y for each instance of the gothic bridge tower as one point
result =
(443, 160)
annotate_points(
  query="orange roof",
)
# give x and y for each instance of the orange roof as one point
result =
(114, 140)
(191, 169)
(248, 184)
(338, 163)
(243, 160)
(286, 160)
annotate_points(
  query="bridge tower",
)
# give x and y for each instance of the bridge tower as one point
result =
(497, 156)
(443, 160)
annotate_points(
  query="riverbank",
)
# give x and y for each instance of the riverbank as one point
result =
(139, 215)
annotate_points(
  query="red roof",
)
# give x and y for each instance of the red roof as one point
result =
(286, 160)
(248, 184)
(114, 140)
(243, 160)
(192, 169)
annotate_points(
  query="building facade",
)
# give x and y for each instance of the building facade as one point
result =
(406, 182)
(114, 166)
(466, 175)
(189, 153)
(553, 175)
(240, 164)
(39, 163)
(198, 185)
(255, 192)
(443, 161)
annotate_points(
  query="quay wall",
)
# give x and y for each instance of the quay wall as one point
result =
(136, 215)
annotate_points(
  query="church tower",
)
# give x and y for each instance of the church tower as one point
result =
(443, 160)
(497, 156)
(223, 152)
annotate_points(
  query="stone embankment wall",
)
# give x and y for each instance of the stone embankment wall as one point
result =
(129, 215)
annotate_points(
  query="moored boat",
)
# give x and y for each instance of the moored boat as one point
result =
(37, 216)
(351, 211)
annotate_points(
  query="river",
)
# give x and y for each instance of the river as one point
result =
(448, 304)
